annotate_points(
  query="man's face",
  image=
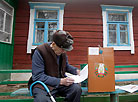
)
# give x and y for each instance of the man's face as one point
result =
(58, 50)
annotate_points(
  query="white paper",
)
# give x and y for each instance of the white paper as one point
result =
(79, 78)
(130, 88)
(93, 50)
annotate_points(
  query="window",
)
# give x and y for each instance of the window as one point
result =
(6, 20)
(46, 22)
(118, 27)
(45, 19)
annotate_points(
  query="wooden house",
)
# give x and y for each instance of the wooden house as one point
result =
(7, 29)
(108, 23)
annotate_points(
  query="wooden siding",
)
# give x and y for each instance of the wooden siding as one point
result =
(21, 60)
(84, 21)
(85, 24)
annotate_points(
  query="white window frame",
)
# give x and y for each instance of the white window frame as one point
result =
(48, 5)
(12, 15)
(106, 8)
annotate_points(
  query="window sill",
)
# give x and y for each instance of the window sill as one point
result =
(123, 48)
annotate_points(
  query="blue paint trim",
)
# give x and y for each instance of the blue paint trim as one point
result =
(45, 20)
(46, 32)
(34, 34)
(33, 4)
(118, 35)
(48, 10)
(128, 34)
(121, 22)
(122, 80)
(58, 15)
(46, 36)
(105, 7)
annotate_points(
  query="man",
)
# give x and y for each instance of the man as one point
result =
(49, 64)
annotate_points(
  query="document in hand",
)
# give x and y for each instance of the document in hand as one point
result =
(79, 78)
(130, 88)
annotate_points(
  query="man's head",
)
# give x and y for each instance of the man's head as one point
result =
(63, 40)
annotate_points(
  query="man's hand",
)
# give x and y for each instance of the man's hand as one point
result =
(66, 81)
(78, 72)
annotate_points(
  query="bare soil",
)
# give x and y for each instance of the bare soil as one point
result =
(11, 88)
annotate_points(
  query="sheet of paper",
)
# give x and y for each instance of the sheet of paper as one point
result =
(93, 50)
(79, 78)
(130, 88)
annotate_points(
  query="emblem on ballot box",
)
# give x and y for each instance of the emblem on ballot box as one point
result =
(101, 70)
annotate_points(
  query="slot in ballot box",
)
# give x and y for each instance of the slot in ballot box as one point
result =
(101, 77)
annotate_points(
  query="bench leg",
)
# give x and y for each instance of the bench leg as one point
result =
(114, 98)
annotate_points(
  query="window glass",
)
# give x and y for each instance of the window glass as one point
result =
(1, 19)
(117, 17)
(39, 36)
(46, 14)
(123, 27)
(5, 37)
(112, 34)
(40, 24)
(50, 33)
(123, 34)
(123, 38)
(6, 7)
(6, 16)
(8, 23)
(39, 32)
(112, 26)
(52, 25)
(112, 37)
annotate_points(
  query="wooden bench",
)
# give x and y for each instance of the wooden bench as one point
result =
(111, 96)
(24, 91)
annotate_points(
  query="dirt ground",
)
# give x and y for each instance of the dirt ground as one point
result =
(11, 88)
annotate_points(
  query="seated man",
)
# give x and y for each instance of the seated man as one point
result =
(49, 64)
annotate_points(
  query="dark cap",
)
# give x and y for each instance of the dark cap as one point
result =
(63, 40)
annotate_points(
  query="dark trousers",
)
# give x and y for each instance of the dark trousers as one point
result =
(71, 93)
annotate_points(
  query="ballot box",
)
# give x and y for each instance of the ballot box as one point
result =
(101, 77)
